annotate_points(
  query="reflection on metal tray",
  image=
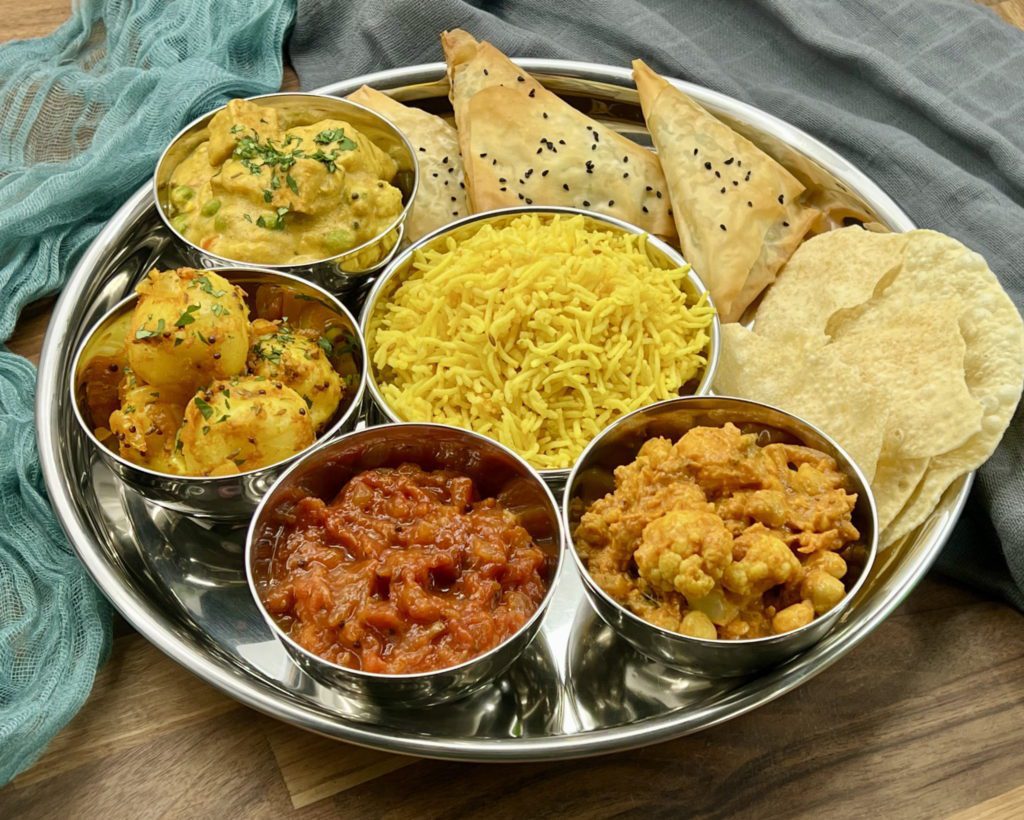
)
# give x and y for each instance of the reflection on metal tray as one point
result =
(578, 689)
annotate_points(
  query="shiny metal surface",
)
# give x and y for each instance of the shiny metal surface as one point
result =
(497, 472)
(660, 253)
(578, 689)
(230, 496)
(343, 274)
(593, 477)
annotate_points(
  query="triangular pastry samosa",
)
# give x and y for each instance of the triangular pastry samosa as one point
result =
(442, 190)
(737, 210)
(523, 145)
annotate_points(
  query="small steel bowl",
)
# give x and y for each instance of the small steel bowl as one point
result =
(217, 497)
(593, 477)
(497, 472)
(342, 274)
(660, 254)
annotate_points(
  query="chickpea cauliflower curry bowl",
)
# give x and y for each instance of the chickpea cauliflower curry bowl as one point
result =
(258, 191)
(718, 536)
(188, 384)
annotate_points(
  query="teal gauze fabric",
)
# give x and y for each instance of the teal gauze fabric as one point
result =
(84, 114)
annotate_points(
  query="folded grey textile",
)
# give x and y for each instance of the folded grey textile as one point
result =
(925, 96)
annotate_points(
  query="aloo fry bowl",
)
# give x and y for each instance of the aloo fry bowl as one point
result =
(217, 497)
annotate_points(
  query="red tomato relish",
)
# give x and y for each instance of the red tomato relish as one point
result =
(405, 571)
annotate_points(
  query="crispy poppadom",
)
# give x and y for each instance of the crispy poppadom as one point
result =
(915, 355)
(831, 273)
(442, 189)
(737, 210)
(523, 145)
(918, 319)
(815, 384)
(937, 266)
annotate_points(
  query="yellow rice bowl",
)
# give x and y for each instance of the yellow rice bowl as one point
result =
(538, 334)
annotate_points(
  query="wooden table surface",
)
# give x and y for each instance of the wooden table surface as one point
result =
(924, 719)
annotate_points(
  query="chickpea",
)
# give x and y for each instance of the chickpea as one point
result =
(698, 625)
(830, 562)
(823, 590)
(793, 617)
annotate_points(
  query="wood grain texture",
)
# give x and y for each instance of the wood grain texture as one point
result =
(925, 719)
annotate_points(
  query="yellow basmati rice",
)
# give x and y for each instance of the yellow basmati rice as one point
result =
(537, 334)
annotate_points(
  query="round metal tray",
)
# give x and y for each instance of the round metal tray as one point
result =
(578, 690)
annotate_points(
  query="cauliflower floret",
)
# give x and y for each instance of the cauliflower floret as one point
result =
(684, 551)
(765, 561)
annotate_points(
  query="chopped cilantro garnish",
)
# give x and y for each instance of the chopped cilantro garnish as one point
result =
(326, 345)
(256, 156)
(267, 195)
(337, 135)
(204, 408)
(326, 159)
(292, 183)
(207, 287)
(187, 318)
(273, 223)
(142, 333)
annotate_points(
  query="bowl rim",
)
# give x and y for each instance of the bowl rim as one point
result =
(360, 674)
(398, 223)
(718, 644)
(319, 441)
(369, 306)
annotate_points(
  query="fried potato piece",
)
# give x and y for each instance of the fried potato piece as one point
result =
(188, 328)
(297, 359)
(243, 424)
(146, 425)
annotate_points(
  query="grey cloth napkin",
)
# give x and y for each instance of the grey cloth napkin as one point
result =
(925, 96)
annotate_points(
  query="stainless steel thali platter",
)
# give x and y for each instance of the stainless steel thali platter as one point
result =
(578, 689)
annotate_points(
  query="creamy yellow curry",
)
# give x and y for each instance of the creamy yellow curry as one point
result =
(258, 192)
